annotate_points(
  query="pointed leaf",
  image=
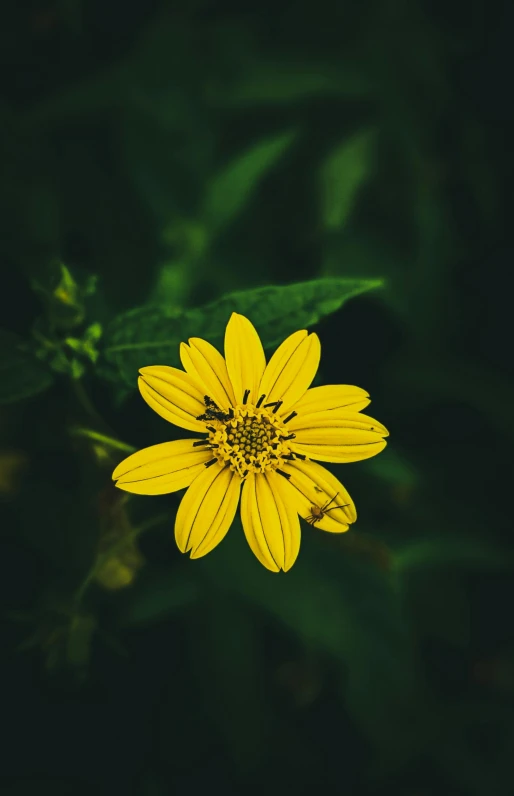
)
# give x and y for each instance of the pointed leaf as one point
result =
(229, 191)
(342, 175)
(152, 335)
(274, 81)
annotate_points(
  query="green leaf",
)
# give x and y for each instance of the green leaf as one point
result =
(342, 175)
(464, 552)
(21, 374)
(282, 82)
(338, 605)
(393, 468)
(229, 191)
(279, 310)
(151, 335)
(156, 595)
(430, 574)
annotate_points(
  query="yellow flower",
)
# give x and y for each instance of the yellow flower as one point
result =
(262, 427)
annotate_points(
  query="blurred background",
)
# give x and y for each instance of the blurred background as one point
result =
(156, 157)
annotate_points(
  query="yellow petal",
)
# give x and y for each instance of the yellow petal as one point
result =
(345, 420)
(330, 397)
(270, 521)
(291, 369)
(161, 468)
(207, 510)
(252, 525)
(326, 452)
(207, 367)
(340, 436)
(288, 524)
(314, 486)
(245, 358)
(173, 395)
(280, 359)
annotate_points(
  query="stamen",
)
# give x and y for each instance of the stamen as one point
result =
(286, 475)
(261, 399)
(248, 442)
(276, 404)
(290, 417)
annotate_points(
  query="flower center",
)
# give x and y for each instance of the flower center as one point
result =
(250, 438)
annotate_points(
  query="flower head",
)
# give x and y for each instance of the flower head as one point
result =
(262, 428)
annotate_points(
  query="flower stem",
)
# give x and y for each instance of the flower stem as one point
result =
(89, 433)
(119, 545)
(86, 402)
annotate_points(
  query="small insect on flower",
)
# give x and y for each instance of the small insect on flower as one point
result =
(318, 512)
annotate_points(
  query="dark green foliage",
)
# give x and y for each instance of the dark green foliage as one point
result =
(162, 165)
(345, 170)
(152, 335)
(340, 606)
(21, 374)
(228, 191)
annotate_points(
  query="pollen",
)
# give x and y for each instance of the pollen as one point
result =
(248, 439)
